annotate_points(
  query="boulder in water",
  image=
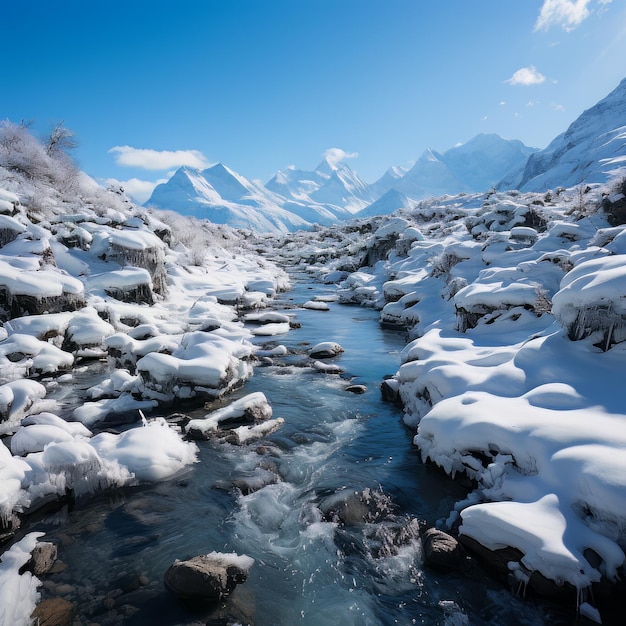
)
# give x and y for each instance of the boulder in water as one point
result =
(441, 550)
(208, 577)
(325, 350)
(353, 508)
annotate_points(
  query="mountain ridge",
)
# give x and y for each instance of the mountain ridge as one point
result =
(591, 150)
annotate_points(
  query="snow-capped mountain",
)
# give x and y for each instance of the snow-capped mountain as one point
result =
(430, 176)
(471, 167)
(222, 196)
(484, 160)
(389, 202)
(334, 186)
(589, 151)
(388, 180)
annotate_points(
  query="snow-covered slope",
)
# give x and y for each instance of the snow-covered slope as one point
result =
(589, 151)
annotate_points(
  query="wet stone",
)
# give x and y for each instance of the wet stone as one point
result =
(441, 550)
(208, 577)
(358, 389)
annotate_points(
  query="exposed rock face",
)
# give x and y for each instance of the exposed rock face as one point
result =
(208, 577)
(441, 550)
(16, 305)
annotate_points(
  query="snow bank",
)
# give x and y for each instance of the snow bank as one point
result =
(18, 592)
(152, 452)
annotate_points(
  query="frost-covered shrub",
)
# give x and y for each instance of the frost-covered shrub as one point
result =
(22, 153)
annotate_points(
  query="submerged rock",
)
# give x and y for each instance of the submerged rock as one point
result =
(358, 389)
(54, 612)
(208, 577)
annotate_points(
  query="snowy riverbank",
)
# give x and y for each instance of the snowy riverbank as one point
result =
(86, 277)
(514, 304)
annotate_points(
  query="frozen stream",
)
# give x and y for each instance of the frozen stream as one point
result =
(308, 570)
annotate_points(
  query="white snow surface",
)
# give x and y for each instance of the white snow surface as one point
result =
(14, 585)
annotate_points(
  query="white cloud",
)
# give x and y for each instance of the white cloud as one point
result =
(158, 159)
(557, 107)
(502, 103)
(526, 76)
(140, 190)
(568, 14)
(335, 155)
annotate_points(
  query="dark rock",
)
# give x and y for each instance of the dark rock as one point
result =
(207, 577)
(441, 550)
(178, 419)
(54, 612)
(390, 390)
(389, 538)
(499, 562)
(356, 389)
(353, 508)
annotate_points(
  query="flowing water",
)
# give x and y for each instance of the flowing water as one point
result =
(276, 501)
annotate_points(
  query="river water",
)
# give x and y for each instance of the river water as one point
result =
(273, 502)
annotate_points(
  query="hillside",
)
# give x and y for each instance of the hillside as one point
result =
(589, 151)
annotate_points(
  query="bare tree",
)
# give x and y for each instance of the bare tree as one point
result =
(61, 139)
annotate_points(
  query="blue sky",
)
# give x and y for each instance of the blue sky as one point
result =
(261, 85)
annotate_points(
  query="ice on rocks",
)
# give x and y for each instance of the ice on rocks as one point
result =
(16, 399)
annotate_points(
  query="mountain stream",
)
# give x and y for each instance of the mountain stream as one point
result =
(276, 501)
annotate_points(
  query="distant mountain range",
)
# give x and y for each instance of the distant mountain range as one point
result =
(591, 149)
